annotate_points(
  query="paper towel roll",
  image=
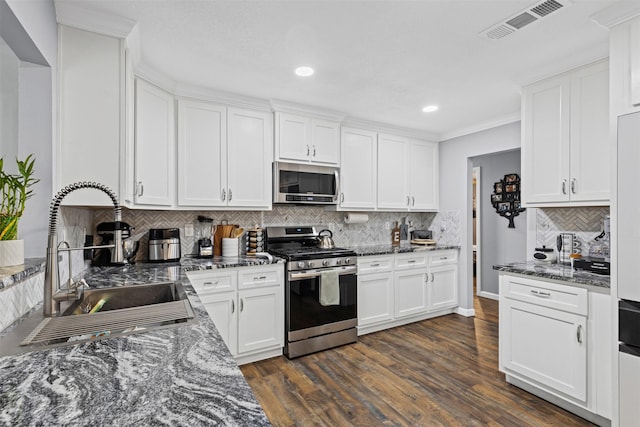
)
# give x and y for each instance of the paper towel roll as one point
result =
(356, 218)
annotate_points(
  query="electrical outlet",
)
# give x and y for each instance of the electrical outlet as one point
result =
(387, 225)
(188, 230)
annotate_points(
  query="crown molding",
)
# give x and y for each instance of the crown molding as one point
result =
(73, 15)
(616, 14)
(504, 120)
(370, 125)
(282, 106)
(222, 97)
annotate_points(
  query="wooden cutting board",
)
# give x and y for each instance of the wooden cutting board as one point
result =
(423, 242)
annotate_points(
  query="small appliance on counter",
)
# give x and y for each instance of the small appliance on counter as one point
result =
(598, 259)
(205, 236)
(164, 244)
(422, 237)
(106, 230)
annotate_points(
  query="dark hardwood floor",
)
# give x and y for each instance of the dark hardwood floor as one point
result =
(442, 371)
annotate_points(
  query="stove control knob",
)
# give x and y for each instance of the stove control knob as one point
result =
(310, 264)
(347, 261)
(325, 262)
(300, 264)
(338, 261)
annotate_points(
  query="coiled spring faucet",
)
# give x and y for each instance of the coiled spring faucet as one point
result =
(51, 279)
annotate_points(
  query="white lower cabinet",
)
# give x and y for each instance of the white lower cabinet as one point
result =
(555, 342)
(397, 289)
(247, 306)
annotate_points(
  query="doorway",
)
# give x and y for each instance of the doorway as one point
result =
(475, 194)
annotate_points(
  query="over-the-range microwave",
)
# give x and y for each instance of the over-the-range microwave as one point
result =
(305, 184)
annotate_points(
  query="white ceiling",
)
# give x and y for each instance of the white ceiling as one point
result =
(375, 60)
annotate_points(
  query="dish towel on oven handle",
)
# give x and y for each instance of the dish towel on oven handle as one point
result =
(329, 288)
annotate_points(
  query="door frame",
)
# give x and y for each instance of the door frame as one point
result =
(478, 224)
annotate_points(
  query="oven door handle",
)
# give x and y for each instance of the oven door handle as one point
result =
(316, 273)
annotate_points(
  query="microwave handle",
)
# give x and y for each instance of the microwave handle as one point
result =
(335, 197)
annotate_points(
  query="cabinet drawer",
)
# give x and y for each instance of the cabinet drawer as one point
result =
(443, 258)
(560, 297)
(205, 283)
(374, 264)
(411, 260)
(260, 278)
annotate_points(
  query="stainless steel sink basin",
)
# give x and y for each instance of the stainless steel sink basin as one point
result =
(121, 311)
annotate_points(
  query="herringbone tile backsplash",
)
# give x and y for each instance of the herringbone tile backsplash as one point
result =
(372, 232)
(585, 222)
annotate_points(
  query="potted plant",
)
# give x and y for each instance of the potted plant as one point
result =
(15, 189)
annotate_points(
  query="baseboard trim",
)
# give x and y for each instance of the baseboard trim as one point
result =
(489, 295)
(466, 312)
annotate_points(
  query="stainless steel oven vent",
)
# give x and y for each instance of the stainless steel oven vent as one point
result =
(523, 18)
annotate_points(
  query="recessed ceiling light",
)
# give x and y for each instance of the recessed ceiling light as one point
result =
(430, 108)
(304, 71)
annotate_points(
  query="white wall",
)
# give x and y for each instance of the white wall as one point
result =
(455, 187)
(38, 18)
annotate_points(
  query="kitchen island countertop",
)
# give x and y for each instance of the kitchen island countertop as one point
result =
(555, 271)
(183, 375)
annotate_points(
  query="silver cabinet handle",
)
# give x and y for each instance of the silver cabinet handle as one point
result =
(230, 194)
(314, 151)
(341, 197)
(433, 278)
(426, 277)
(375, 265)
(241, 304)
(260, 278)
(224, 195)
(564, 186)
(579, 334)
(307, 150)
(408, 200)
(337, 177)
(206, 284)
(140, 189)
(233, 306)
(413, 200)
(541, 294)
(573, 186)
(411, 261)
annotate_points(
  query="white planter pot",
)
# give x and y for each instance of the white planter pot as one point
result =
(11, 253)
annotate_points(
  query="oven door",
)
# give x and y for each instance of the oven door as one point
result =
(307, 315)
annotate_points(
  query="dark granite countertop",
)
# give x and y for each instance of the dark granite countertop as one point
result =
(555, 271)
(12, 275)
(179, 376)
(388, 249)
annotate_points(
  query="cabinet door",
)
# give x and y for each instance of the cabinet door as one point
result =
(249, 156)
(590, 148)
(410, 293)
(393, 154)
(294, 137)
(91, 88)
(545, 141)
(546, 345)
(222, 309)
(261, 319)
(423, 176)
(154, 146)
(358, 169)
(325, 142)
(442, 287)
(202, 157)
(375, 298)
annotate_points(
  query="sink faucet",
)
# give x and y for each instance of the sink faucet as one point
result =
(51, 277)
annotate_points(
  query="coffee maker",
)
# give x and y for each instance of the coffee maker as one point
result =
(106, 230)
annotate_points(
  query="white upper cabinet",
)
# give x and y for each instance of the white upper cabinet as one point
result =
(306, 139)
(224, 156)
(202, 153)
(358, 159)
(91, 99)
(249, 154)
(155, 146)
(565, 139)
(407, 174)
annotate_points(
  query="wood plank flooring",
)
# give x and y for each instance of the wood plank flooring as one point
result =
(439, 372)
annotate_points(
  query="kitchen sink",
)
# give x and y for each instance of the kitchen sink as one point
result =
(117, 311)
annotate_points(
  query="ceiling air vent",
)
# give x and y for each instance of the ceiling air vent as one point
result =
(519, 20)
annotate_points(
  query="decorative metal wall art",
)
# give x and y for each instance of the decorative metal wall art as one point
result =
(506, 198)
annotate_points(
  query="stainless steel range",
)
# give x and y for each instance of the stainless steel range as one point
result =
(320, 291)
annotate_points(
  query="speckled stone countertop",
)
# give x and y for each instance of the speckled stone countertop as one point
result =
(388, 249)
(11, 275)
(179, 376)
(555, 271)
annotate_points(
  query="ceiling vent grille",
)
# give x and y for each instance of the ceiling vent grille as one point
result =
(519, 20)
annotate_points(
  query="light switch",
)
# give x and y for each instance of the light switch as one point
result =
(188, 230)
